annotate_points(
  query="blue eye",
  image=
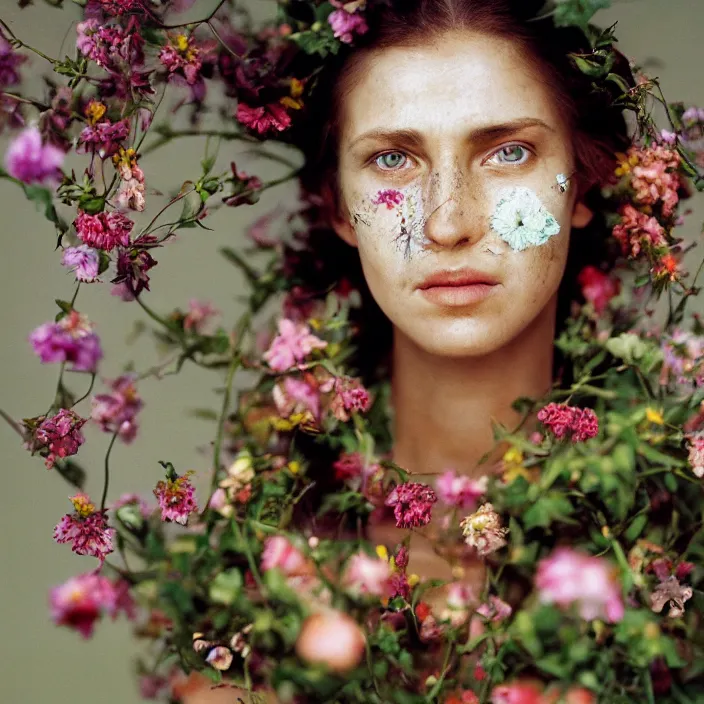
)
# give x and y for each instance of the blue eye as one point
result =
(391, 161)
(512, 154)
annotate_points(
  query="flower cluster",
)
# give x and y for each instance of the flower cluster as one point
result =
(563, 420)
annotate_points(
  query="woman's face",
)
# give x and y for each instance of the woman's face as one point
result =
(452, 165)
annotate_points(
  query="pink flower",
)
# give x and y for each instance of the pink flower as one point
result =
(131, 194)
(368, 575)
(561, 419)
(199, 313)
(346, 24)
(495, 609)
(460, 491)
(152, 686)
(569, 577)
(245, 188)
(122, 7)
(388, 197)
(597, 288)
(272, 117)
(412, 503)
(176, 497)
(684, 357)
(110, 46)
(350, 397)
(131, 499)
(86, 528)
(104, 230)
(696, 453)
(116, 412)
(79, 602)
(70, 340)
(83, 261)
(517, 693)
(293, 344)
(654, 176)
(279, 553)
(183, 56)
(30, 161)
(104, 136)
(348, 466)
(61, 434)
(638, 230)
(296, 396)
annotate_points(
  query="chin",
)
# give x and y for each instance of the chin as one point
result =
(461, 339)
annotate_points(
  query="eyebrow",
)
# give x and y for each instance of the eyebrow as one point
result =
(480, 134)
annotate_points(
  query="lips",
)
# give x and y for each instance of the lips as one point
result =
(458, 278)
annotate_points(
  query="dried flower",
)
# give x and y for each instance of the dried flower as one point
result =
(220, 658)
(412, 503)
(483, 530)
(176, 497)
(61, 435)
(671, 592)
(104, 230)
(83, 261)
(562, 420)
(86, 528)
(521, 220)
(116, 412)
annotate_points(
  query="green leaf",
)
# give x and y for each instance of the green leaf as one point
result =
(226, 586)
(636, 527)
(554, 507)
(577, 13)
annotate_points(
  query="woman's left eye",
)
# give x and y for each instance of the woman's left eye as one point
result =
(512, 154)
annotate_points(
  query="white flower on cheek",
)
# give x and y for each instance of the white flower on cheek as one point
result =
(521, 220)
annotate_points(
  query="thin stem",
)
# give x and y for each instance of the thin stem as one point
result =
(232, 368)
(168, 205)
(170, 134)
(27, 46)
(87, 393)
(107, 470)
(196, 22)
(12, 423)
(28, 101)
(248, 553)
(154, 316)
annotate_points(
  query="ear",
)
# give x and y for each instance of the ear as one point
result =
(581, 215)
(339, 221)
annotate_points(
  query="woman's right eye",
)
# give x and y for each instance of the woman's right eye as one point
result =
(391, 161)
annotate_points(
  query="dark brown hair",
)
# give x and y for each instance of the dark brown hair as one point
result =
(598, 128)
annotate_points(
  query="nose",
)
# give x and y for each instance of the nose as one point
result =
(454, 213)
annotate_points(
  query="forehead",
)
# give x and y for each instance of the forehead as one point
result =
(450, 85)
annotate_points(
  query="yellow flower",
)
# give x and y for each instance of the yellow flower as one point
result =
(413, 579)
(95, 112)
(654, 416)
(181, 42)
(382, 552)
(82, 505)
(294, 466)
(513, 465)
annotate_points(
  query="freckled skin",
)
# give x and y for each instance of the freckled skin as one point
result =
(446, 91)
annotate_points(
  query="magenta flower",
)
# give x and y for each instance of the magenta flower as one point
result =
(104, 136)
(182, 56)
(132, 267)
(412, 503)
(104, 230)
(495, 609)
(349, 465)
(296, 396)
(176, 497)
(279, 553)
(121, 7)
(346, 24)
(598, 288)
(350, 397)
(368, 575)
(83, 261)
(61, 435)
(562, 420)
(70, 340)
(30, 161)
(388, 197)
(9, 61)
(458, 490)
(116, 412)
(263, 119)
(293, 344)
(569, 577)
(110, 46)
(86, 528)
(79, 602)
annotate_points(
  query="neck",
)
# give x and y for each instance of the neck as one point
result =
(443, 407)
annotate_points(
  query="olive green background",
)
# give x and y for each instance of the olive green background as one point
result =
(41, 663)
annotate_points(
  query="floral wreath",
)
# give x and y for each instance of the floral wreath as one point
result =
(239, 591)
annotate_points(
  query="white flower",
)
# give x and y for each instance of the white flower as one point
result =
(521, 220)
